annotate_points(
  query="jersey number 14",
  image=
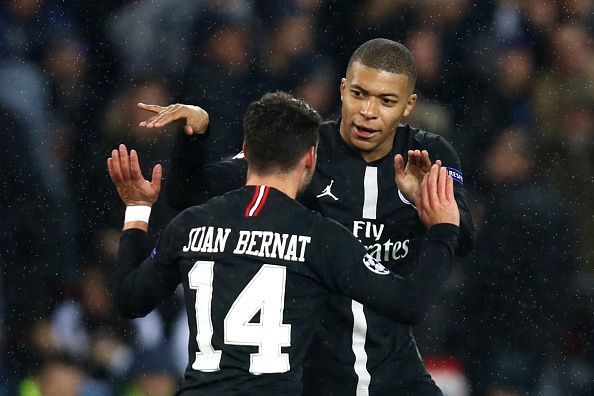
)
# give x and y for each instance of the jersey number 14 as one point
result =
(264, 293)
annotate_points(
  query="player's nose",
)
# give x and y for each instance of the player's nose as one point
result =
(369, 108)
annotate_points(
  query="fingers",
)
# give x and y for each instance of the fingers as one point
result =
(164, 115)
(435, 201)
(135, 170)
(110, 170)
(150, 122)
(116, 167)
(449, 189)
(124, 164)
(149, 107)
(424, 193)
(420, 159)
(453, 213)
(424, 161)
(156, 177)
(413, 156)
(399, 164)
(441, 185)
(170, 113)
(188, 130)
(432, 186)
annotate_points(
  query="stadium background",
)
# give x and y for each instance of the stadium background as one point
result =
(508, 82)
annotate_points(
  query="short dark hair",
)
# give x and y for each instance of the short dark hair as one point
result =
(279, 130)
(388, 55)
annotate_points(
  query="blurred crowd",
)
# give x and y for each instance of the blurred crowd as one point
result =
(508, 82)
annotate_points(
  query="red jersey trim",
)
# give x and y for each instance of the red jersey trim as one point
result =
(258, 201)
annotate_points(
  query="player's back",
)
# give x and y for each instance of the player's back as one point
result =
(252, 291)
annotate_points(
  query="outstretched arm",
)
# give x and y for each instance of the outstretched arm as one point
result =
(441, 149)
(193, 119)
(190, 180)
(138, 286)
(404, 299)
(409, 177)
(138, 194)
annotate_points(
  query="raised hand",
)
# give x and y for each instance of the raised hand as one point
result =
(194, 119)
(435, 200)
(408, 178)
(132, 187)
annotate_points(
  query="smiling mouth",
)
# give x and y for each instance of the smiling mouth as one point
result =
(365, 133)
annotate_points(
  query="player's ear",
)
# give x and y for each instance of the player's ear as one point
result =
(244, 151)
(310, 159)
(342, 87)
(410, 104)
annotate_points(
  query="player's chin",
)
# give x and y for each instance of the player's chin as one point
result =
(365, 144)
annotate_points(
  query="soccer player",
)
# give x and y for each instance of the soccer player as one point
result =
(356, 350)
(257, 266)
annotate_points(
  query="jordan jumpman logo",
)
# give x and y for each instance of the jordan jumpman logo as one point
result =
(327, 191)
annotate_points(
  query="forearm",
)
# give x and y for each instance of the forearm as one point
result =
(403, 299)
(192, 182)
(186, 184)
(131, 253)
(139, 286)
(466, 240)
(441, 149)
(435, 262)
(413, 295)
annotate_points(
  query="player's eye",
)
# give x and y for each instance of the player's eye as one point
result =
(356, 93)
(388, 102)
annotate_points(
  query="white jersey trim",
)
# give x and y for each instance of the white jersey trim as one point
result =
(370, 190)
(261, 190)
(359, 335)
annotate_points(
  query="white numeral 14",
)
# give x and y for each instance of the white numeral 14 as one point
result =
(265, 293)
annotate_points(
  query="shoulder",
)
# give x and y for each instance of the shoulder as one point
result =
(330, 141)
(328, 127)
(425, 139)
(200, 214)
(336, 244)
(331, 230)
(329, 132)
(215, 206)
(182, 220)
(437, 146)
(236, 163)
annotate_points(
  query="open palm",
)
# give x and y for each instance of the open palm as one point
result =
(132, 187)
(409, 178)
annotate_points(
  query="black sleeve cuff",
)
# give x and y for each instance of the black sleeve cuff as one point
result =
(133, 233)
(445, 233)
(181, 135)
(135, 241)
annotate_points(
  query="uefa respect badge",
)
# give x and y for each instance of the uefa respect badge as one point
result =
(456, 175)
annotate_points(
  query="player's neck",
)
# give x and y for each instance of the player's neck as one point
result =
(286, 183)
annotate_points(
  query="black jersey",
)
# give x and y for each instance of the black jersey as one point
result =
(257, 268)
(355, 349)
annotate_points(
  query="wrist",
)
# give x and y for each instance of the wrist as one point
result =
(137, 213)
(406, 197)
(135, 225)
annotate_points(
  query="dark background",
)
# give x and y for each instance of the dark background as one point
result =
(509, 83)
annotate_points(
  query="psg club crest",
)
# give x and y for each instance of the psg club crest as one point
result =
(374, 265)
